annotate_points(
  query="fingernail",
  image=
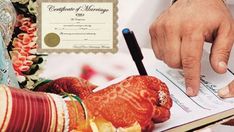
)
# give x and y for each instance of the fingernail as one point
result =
(224, 92)
(223, 65)
(189, 91)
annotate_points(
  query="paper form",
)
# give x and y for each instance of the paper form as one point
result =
(186, 109)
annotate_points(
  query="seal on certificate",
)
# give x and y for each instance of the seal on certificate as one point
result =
(52, 39)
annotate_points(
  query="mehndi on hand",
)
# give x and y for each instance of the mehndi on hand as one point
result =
(141, 100)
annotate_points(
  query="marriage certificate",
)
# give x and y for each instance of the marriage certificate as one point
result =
(71, 26)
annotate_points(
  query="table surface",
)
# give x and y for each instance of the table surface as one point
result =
(226, 125)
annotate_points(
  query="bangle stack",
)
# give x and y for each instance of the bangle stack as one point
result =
(23, 110)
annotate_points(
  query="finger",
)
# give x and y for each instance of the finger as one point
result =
(228, 91)
(160, 88)
(191, 52)
(172, 47)
(221, 48)
(154, 43)
(157, 40)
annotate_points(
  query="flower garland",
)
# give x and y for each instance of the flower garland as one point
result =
(23, 48)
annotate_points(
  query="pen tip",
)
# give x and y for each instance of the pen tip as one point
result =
(125, 30)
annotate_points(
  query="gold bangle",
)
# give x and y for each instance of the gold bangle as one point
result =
(72, 96)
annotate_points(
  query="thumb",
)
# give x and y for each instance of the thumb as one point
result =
(228, 91)
(221, 48)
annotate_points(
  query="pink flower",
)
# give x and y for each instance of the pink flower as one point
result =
(24, 47)
(26, 39)
(18, 20)
(21, 62)
(24, 68)
(17, 44)
(28, 63)
(24, 28)
(31, 30)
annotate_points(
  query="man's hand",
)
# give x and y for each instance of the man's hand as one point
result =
(228, 91)
(178, 36)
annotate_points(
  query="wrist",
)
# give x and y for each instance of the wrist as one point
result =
(78, 114)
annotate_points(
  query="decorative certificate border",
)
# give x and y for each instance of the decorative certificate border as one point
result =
(77, 50)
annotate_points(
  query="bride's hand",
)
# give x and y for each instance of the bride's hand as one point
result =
(77, 86)
(141, 99)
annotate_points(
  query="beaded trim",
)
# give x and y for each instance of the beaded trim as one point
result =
(66, 116)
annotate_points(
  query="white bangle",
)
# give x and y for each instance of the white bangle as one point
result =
(62, 113)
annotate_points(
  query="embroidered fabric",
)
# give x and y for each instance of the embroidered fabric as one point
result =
(7, 73)
(7, 20)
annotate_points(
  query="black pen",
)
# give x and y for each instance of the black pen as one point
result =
(134, 50)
